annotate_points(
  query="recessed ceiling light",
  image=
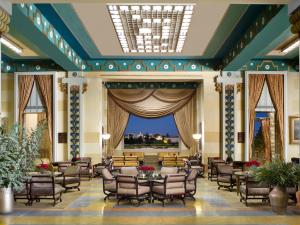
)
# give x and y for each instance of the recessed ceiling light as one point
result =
(11, 45)
(141, 27)
(291, 47)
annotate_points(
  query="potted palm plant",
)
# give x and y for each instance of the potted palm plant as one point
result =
(279, 175)
(18, 150)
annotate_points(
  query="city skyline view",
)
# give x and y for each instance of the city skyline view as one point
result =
(162, 125)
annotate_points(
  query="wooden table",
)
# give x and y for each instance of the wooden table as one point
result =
(45, 174)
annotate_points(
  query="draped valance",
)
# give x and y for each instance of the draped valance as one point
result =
(151, 103)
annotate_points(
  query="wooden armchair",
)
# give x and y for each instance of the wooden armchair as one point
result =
(70, 178)
(109, 184)
(129, 188)
(173, 187)
(191, 183)
(44, 187)
(226, 177)
(168, 170)
(253, 190)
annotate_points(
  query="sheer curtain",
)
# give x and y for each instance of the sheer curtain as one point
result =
(45, 84)
(265, 123)
(25, 89)
(276, 89)
(256, 84)
(151, 103)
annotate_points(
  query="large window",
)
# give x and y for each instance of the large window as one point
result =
(151, 133)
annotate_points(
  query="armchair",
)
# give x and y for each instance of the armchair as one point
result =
(191, 183)
(225, 177)
(24, 193)
(253, 190)
(129, 188)
(44, 187)
(168, 170)
(132, 171)
(109, 184)
(70, 178)
(213, 171)
(174, 186)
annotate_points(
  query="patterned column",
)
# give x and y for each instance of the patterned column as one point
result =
(228, 84)
(75, 86)
(4, 28)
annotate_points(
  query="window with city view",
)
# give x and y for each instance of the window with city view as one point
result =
(151, 133)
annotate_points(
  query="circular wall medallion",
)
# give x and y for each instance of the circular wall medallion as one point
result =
(83, 67)
(193, 66)
(97, 64)
(124, 64)
(166, 66)
(37, 67)
(138, 66)
(267, 67)
(110, 66)
(152, 63)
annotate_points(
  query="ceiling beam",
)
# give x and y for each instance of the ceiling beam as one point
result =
(31, 27)
(267, 27)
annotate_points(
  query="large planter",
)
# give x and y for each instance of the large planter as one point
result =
(6, 200)
(279, 199)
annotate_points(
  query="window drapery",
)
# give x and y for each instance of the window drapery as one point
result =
(25, 88)
(276, 89)
(256, 84)
(151, 103)
(45, 84)
(265, 123)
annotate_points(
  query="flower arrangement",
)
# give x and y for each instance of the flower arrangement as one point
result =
(43, 166)
(146, 168)
(252, 163)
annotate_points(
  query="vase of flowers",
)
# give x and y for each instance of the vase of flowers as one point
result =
(252, 165)
(147, 170)
(43, 167)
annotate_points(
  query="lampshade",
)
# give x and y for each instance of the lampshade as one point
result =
(196, 136)
(105, 136)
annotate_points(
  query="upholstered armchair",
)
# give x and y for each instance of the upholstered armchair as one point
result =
(292, 192)
(62, 166)
(168, 170)
(132, 171)
(173, 187)
(196, 164)
(23, 193)
(70, 178)
(129, 188)
(213, 171)
(109, 184)
(226, 177)
(191, 183)
(253, 190)
(44, 187)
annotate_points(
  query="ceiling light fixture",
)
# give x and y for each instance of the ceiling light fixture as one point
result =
(11, 45)
(141, 27)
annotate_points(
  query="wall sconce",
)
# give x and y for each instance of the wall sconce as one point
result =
(197, 137)
(105, 137)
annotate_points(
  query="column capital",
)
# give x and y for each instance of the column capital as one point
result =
(4, 21)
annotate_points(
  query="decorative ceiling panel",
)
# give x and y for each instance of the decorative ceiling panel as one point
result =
(151, 28)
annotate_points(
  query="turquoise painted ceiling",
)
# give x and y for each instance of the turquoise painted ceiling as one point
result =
(86, 40)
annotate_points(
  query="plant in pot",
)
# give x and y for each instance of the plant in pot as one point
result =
(279, 175)
(18, 150)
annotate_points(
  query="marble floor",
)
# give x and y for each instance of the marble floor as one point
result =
(212, 206)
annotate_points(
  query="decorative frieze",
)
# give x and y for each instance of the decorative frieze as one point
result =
(151, 85)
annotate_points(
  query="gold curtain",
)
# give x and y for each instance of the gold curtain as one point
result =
(117, 122)
(276, 90)
(45, 84)
(185, 119)
(25, 88)
(256, 84)
(265, 123)
(45, 145)
(150, 103)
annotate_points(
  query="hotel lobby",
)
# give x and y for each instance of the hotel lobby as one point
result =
(148, 112)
